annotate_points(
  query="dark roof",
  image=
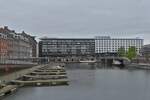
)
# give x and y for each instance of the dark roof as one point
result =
(66, 38)
(45, 38)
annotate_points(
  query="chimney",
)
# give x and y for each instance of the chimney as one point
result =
(23, 32)
(13, 31)
(5, 27)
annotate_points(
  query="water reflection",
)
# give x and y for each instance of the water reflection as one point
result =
(88, 66)
(88, 82)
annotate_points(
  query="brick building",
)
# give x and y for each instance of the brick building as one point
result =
(15, 46)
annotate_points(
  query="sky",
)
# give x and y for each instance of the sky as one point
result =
(78, 18)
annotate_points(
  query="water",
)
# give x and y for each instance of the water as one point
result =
(91, 84)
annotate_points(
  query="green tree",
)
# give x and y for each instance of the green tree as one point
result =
(132, 52)
(121, 52)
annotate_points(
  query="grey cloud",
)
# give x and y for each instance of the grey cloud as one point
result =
(78, 18)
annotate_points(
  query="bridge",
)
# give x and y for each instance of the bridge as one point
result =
(103, 60)
(108, 60)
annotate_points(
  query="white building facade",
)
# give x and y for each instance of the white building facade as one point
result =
(105, 44)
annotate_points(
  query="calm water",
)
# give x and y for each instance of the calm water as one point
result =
(91, 84)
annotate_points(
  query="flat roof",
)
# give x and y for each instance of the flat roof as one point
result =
(90, 39)
(67, 39)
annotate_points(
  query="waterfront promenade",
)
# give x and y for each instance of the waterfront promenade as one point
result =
(51, 76)
(7, 78)
(144, 66)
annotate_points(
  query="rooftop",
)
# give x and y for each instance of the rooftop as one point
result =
(96, 37)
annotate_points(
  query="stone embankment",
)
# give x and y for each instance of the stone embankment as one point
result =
(140, 66)
(49, 75)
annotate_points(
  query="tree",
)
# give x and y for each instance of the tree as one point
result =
(121, 52)
(132, 52)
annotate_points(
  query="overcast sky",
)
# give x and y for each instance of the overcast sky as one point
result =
(78, 18)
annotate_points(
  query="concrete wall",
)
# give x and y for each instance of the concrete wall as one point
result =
(17, 66)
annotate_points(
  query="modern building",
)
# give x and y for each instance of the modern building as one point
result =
(66, 47)
(106, 44)
(86, 46)
(14, 45)
(145, 50)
